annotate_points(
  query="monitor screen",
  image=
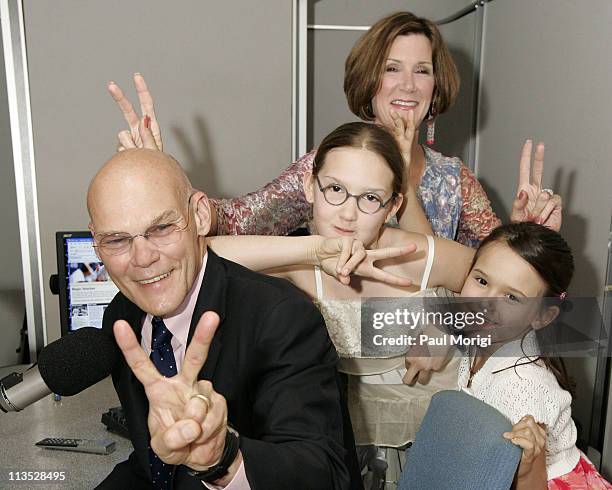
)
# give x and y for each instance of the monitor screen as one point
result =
(85, 288)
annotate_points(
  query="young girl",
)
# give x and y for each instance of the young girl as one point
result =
(355, 189)
(518, 262)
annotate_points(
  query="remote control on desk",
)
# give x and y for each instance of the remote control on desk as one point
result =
(99, 446)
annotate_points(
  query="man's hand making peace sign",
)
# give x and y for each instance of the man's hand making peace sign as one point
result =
(187, 418)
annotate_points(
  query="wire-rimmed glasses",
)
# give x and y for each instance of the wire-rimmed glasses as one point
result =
(368, 202)
(159, 235)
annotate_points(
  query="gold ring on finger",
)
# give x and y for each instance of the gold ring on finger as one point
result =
(204, 398)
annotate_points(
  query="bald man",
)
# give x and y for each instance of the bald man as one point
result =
(229, 378)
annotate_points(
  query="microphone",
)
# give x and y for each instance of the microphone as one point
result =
(66, 367)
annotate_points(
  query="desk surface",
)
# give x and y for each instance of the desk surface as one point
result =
(72, 417)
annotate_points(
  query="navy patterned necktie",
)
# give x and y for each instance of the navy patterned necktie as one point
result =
(162, 357)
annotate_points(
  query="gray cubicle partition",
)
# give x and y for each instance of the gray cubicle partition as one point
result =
(12, 300)
(18, 97)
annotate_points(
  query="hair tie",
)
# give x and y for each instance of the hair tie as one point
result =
(563, 295)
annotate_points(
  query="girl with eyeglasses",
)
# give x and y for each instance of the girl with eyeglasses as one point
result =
(355, 189)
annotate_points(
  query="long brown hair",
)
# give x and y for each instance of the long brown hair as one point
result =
(550, 255)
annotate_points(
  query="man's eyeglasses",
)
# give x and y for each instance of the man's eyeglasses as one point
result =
(368, 202)
(159, 235)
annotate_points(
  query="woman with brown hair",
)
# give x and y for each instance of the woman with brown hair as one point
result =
(398, 75)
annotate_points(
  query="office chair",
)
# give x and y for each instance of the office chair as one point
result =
(460, 446)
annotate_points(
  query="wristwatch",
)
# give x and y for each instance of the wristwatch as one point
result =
(220, 469)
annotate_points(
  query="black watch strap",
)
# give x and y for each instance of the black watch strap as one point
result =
(227, 458)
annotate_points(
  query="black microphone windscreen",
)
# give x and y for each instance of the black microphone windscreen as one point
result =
(77, 361)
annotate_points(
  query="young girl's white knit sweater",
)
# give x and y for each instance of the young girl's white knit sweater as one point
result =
(528, 389)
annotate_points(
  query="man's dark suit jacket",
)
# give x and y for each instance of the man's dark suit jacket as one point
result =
(272, 360)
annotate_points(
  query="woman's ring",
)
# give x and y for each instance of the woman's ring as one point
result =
(550, 192)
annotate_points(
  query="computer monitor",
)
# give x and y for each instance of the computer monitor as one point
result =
(85, 288)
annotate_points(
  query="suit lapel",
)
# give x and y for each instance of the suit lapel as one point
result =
(139, 403)
(211, 298)
(134, 316)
